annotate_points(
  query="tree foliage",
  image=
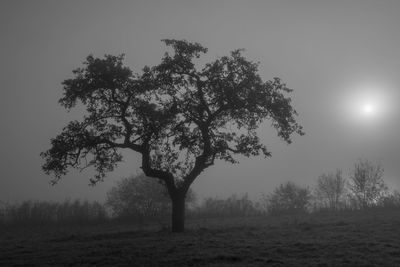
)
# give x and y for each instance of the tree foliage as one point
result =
(179, 118)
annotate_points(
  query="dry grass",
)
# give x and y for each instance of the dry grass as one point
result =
(345, 239)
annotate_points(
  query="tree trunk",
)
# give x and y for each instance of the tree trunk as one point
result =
(178, 212)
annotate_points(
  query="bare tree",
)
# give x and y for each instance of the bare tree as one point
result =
(366, 183)
(331, 189)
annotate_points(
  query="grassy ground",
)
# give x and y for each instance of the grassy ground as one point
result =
(345, 239)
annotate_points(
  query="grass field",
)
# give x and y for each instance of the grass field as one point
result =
(344, 239)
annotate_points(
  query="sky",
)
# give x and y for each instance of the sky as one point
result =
(342, 58)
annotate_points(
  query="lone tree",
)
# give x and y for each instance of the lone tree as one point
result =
(179, 118)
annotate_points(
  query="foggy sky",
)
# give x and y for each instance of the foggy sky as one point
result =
(332, 53)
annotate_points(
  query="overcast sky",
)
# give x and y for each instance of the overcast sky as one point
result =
(342, 58)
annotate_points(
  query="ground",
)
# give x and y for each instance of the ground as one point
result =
(344, 239)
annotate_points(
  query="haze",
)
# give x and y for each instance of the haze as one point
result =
(341, 58)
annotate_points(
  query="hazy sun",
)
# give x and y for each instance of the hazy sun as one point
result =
(367, 103)
(368, 109)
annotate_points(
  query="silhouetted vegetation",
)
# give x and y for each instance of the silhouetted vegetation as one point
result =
(139, 200)
(179, 118)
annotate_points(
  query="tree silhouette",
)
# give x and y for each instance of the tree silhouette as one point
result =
(179, 118)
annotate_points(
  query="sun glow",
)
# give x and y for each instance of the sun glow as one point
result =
(367, 103)
(368, 109)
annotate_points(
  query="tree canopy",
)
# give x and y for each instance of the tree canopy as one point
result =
(179, 118)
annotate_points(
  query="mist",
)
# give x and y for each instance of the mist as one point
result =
(329, 53)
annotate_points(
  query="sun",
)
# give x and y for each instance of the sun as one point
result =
(368, 109)
(366, 104)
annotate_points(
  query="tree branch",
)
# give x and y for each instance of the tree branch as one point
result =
(166, 176)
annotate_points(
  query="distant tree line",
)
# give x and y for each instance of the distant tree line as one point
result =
(364, 188)
(138, 199)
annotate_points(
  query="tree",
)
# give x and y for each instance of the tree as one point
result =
(179, 118)
(366, 183)
(331, 189)
(288, 198)
(141, 198)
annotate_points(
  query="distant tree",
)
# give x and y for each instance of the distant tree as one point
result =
(179, 118)
(138, 197)
(331, 189)
(366, 183)
(288, 198)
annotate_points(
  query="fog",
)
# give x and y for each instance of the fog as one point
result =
(340, 57)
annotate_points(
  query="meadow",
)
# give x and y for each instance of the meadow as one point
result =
(346, 238)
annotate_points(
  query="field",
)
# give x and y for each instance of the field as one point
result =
(344, 239)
